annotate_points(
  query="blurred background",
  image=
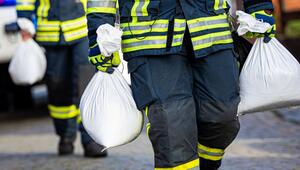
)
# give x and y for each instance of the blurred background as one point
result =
(267, 141)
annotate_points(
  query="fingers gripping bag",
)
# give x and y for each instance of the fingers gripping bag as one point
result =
(108, 110)
(270, 77)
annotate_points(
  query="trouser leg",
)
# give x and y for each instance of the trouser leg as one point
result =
(82, 72)
(62, 108)
(216, 94)
(164, 84)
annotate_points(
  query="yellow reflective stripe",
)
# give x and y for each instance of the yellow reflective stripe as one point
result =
(209, 149)
(76, 34)
(101, 10)
(44, 25)
(47, 36)
(25, 7)
(144, 27)
(192, 165)
(147, 111)
(63, 112)
(150, 42)
(220, 4)
(203, 19)
(25, 1)
(225, 25)
(62, 108)
(208, 40)
(224, 4)
(144, 8)
(205, 23)
(208, 153)
(43, 8)
(64, 115)
(148, 128)
(180, 25)
(177, 40)
(73, 24)
(134, 10)
(208, 157)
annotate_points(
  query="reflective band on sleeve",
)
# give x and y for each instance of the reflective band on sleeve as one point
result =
(43, 8)
(192, 165)
(206, 23)
(139, 9)
(101, 6)
(25, 5)
(95, 3)
(151, 42)
(208, 153)
(220, 4)
(63, 112)
(208, 40)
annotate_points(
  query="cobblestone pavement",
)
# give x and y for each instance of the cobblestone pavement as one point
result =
(264, 143)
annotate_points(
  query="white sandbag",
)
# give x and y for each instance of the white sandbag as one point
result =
(8, 42)
(108, 110)
(109, 39)
(28, 65)
(270, 77)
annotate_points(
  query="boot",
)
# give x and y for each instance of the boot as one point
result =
(65, 146)
(94, 150)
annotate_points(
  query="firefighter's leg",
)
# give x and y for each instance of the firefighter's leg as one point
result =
(164, 83)
(216, 94)
(61, 106)
(82, 72)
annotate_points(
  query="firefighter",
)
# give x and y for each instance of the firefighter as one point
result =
(62, 30)
(184, 73)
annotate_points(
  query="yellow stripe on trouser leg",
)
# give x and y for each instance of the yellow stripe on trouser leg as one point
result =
(79, 120)
(192, 165)
(63, 112)
(208, 153)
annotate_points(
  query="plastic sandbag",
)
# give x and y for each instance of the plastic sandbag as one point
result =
(270, 78)
(28, 64)
(108, 110)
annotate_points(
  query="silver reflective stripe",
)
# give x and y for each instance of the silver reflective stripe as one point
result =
(180, 25)
(195, 168)
(211, 39)
(221, 2)
(210, 22)
(210, 153)
(140, 8)
(101, 3)
(176, 40)
(142, 43)
(134, 28)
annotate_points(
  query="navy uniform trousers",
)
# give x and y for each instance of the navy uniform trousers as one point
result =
(62, 79)
(191, 105)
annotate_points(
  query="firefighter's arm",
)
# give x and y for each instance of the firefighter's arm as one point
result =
(262, 10)
(100, 12)
(26, 11)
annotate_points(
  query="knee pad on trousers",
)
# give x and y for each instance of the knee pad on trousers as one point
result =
(218, 135)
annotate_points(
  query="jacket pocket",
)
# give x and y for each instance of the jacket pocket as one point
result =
(217, 6)
(143, 10)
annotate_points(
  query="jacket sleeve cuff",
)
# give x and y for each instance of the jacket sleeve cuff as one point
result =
(255, 5)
